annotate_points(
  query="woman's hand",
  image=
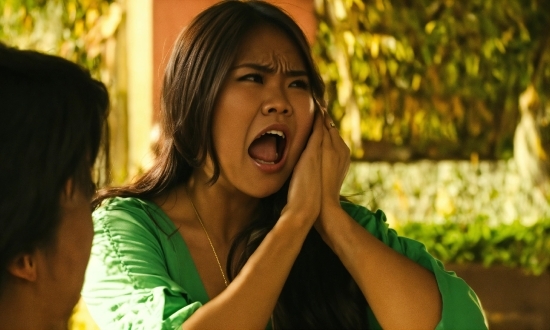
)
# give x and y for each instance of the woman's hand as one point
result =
(304, 192)
(335, 161)
(319, 173)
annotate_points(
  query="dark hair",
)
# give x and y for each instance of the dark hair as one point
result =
(319, 292)
(53, 117)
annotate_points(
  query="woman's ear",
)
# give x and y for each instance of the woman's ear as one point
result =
(24, 266)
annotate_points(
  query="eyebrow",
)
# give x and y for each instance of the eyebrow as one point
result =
(268, 69)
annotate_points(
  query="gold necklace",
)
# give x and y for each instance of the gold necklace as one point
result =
(208, 237)
(214, 250)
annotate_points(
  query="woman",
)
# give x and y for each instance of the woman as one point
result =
(53, 117)
(239, 223)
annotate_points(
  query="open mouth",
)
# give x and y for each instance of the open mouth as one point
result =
(268, 148)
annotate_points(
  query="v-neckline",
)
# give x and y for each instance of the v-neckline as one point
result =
(188, 273)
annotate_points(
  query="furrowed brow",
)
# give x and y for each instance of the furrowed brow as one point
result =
(259, 67)
(269, 69)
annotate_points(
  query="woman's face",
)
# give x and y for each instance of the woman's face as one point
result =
(263, 114)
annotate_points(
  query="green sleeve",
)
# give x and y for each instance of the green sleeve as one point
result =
(461, 306)
(127, 284)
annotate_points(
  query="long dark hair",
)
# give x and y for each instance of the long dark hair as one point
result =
(319, 292)
(54, 118)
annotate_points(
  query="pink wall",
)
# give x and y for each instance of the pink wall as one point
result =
(171, 16)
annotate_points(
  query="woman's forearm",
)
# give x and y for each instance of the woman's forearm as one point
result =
(249, 300)
(401, 293)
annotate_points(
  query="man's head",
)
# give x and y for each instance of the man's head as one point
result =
(53, 123)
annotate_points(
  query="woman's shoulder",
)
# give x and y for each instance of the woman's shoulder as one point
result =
(122, 211)
(123, 205)
(361, 214)
(373, 221)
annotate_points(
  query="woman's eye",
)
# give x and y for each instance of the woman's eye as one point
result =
(303, 84)
(252, 77)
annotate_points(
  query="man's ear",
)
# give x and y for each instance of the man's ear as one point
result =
(24, 266)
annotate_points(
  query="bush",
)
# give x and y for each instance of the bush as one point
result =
(513, 245)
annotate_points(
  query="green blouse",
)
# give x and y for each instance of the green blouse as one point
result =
(141, 274)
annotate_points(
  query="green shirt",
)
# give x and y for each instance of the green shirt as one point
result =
(141, 274)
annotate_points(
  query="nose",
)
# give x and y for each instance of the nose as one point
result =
(276, 103)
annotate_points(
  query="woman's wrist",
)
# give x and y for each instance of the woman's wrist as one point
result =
(331, 224)
(296, 220)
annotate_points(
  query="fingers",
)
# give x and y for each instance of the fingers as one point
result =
(331, 128)
(329, 123)
(317, 126)
(336, 157)
(333, 133)
(304, 193)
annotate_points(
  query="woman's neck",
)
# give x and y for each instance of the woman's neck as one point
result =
(224, 210)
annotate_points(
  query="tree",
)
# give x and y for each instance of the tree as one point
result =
(441, 77)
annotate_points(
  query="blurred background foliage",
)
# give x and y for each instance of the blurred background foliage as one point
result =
(81, 31)
(446, 80)
(441, 78)
(512, 245)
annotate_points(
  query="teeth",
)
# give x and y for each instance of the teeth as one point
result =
(264, 162)
(281, 134)
(268, 163)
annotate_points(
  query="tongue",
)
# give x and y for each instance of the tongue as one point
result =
(264, 148)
